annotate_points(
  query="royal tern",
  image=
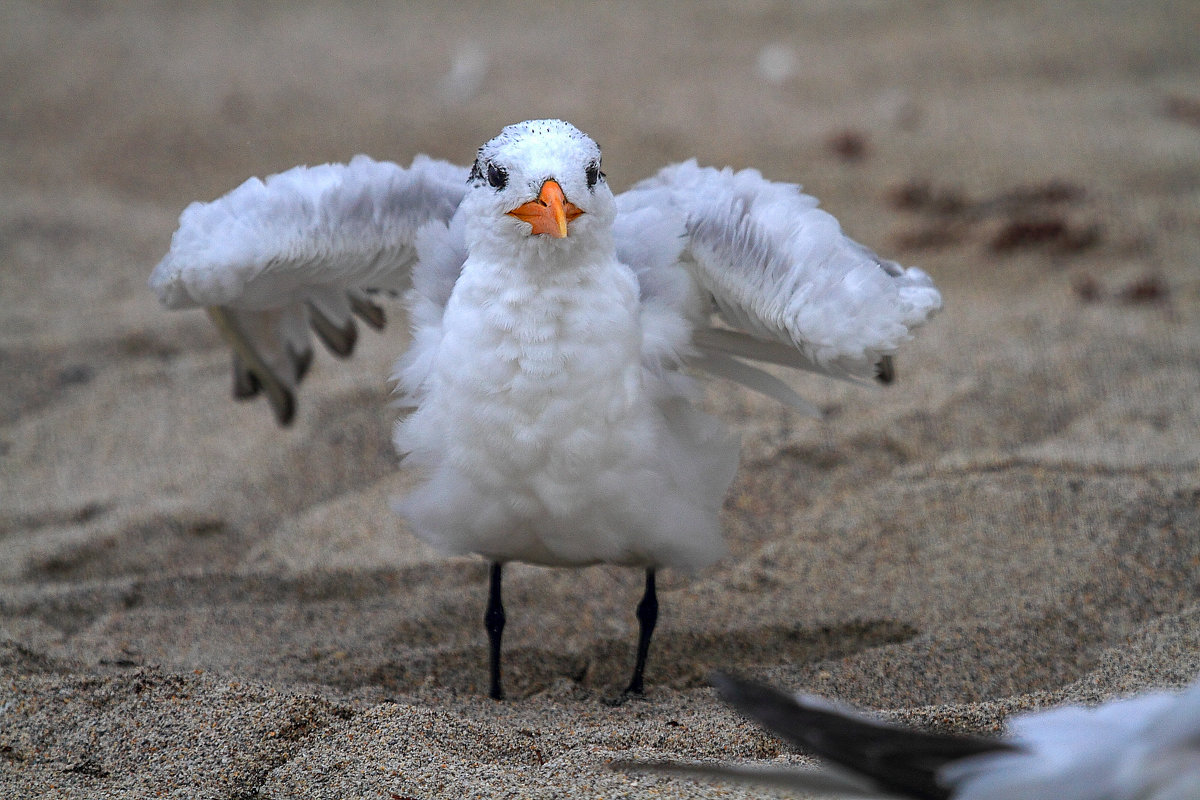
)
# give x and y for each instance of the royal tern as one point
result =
(552, 421)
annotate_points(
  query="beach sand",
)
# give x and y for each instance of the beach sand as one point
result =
(197, 604)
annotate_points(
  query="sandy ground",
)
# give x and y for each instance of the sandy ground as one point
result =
(196, 604)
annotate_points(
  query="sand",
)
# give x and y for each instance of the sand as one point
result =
(196, 604)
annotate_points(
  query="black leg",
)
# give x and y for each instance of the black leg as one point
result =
(647, 614)
(493, 621)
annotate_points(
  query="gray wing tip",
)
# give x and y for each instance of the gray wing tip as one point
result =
(885, 370)
(284, 407)
(248, 384)
(339, 339)
(368, 311)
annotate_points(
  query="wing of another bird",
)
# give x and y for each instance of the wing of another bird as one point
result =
(303, 249)
(898, 761)
(1146, 746)
(791, 288)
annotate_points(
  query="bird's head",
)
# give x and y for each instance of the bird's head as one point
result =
(539, 182)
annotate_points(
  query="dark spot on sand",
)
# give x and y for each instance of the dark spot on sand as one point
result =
(1058, 232)
(1019, 233)
(934, 236)
(1150, 288)
(1011, 219)
(1087, 288)
(921, 195)
(1183, 109)
(89, 767)
(75, 375)
(848, 145)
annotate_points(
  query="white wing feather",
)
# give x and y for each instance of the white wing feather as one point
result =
(303, 248)
(780, 270)
(1146, 747)
(306, 230)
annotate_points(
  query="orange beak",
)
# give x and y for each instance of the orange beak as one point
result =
(550, 213)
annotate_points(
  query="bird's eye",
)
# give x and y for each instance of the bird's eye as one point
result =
(496, 176)
(594, 175)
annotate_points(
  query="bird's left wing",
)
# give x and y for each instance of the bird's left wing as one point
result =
(303, 248)
(791, 288)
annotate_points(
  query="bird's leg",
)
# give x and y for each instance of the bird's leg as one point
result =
(647, 614)
(493, 621)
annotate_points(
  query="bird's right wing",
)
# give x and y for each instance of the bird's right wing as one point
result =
(302, 249)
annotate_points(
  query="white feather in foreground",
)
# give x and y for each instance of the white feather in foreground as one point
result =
(1141, 748)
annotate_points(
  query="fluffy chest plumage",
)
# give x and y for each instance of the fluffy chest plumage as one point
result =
(539, 370)
(541, 435)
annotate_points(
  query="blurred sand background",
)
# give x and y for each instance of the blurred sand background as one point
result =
(196, 604)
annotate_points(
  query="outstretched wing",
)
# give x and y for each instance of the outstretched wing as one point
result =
(302, 249)
(791, 288)
(897, 761)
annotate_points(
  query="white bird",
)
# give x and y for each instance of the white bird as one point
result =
(1145, 747)
(551, 322)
